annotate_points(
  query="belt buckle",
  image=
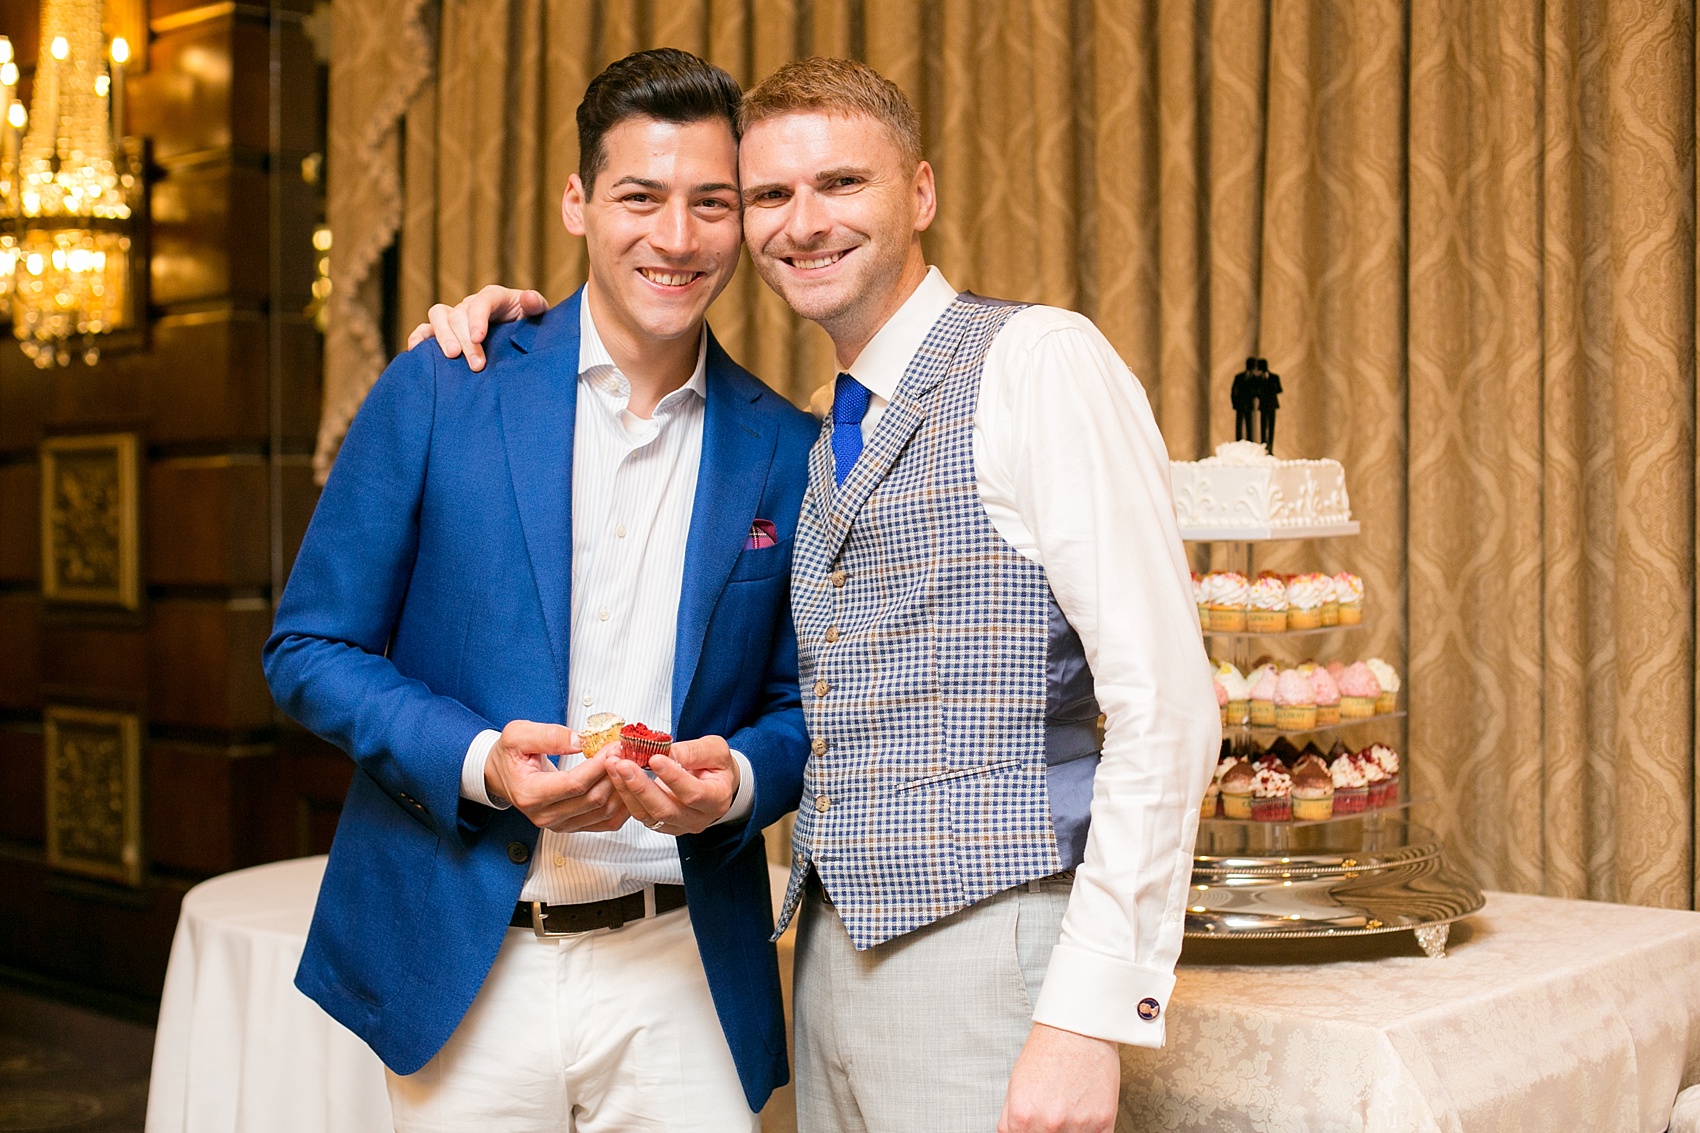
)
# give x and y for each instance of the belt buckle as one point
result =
(538, 917)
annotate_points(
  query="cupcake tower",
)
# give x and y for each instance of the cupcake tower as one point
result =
(1229, 602)
(1306, 696)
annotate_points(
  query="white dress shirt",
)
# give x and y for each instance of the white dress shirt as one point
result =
(634, 484)
(1074, 475)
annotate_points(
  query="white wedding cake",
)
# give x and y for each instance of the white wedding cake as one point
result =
(1243, 492)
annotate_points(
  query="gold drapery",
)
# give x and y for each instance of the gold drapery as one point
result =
(1463, 233)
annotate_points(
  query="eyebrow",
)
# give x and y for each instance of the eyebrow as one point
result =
(823, 175)
(661, 186)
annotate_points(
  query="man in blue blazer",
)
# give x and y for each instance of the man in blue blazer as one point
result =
(606, 528)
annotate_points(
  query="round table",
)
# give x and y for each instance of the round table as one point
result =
(238, 1047)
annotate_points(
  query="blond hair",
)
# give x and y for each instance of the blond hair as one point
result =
(835, 86)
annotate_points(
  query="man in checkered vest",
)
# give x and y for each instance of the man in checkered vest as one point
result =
(991, 890)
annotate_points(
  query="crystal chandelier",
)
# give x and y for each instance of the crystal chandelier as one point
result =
(70, 190)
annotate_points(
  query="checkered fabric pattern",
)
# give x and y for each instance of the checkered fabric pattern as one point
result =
(922, 643)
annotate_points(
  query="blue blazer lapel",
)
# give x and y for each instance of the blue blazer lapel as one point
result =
(537, 388)
(736, 455)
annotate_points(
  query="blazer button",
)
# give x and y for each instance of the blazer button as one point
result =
(519, 853)
(820, 688)
(818, 747)
(831, 634)
(822, 803)
(838, 579)
(1149, 1009)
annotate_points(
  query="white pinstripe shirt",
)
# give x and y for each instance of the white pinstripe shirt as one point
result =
(634, 484)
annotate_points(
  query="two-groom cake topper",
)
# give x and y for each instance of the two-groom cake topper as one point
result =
(1256, 388)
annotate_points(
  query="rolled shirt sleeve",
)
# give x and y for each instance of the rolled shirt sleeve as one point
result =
(1074, 474)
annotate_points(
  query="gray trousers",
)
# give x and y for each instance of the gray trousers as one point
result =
(919, 1033)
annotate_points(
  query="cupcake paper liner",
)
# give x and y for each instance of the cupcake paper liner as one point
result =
(1236, 806)
(1327, 715)
(1266, 621)
(1295, 717)
(1279, 809)
(1303, 619)
(1351, 614)
(1351, 800)
(1357, 707)
(1263, 713)
(1313, 810)
(1227, 619)
(1386, 702)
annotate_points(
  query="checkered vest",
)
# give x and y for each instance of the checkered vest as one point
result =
(923, 641)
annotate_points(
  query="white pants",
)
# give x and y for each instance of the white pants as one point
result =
(603, 1031)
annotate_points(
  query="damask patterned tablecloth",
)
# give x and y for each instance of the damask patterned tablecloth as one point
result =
(1545, 1015)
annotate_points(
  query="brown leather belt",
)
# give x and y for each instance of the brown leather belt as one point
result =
(565, 920)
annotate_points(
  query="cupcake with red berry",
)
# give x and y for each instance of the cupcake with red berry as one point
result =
(1327, 698)
(1359, 690)
(1384, 791)
(1295, 702)
(1351, 785)
(1271, 795)
(641, 743)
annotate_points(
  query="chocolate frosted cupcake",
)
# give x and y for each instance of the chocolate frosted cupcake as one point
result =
(1313, 790)
(1236, 790)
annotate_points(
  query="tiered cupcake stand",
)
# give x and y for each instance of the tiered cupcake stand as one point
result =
(1351, 875)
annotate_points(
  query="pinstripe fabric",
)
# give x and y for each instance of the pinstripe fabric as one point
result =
(927, 788)
(634, 483)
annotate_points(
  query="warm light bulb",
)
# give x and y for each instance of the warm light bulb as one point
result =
(5, 49)
(120, 50)
(8, 74)
(102, 84)
(60, 49)
(18, 116)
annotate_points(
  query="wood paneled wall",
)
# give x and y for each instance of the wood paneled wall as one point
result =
(224, 398)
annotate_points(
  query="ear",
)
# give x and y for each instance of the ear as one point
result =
(572, 206)
(926, 197)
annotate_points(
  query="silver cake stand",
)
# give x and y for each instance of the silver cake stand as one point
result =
(1393, 878)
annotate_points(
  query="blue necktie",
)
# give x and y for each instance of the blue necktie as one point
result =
(849, 406)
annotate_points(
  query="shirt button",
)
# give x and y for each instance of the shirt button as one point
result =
(519, 853)
(838, 579)
(800, 860)
(560, 861)
(602, 614)
(588, 700)
(822, 803)
(620, 531)
(818, 747)
(820, 688)
(831, 634)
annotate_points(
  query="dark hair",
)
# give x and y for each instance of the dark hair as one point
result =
(666, 84)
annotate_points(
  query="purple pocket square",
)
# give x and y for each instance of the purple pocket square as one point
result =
(762, 534)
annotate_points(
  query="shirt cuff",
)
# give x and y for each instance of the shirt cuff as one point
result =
(472, 770)
(745, 800)
(1090, 994)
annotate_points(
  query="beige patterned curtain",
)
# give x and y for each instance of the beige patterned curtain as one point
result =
(1463, 233)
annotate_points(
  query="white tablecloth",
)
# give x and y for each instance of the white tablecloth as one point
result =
(1548, 1015)
(238, 1047)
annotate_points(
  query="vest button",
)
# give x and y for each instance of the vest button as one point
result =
(519, 853)
(831, 634)
(820, 688)
(818, 747)
(838, 577)
(822, 803)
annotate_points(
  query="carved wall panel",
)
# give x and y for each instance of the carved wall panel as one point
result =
(89, 521)
(94, 792)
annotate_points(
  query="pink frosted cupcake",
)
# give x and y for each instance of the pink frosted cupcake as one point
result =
(1272, 796)
(1385, 791)
(1359, 691)
(1335, 668)
(1351, 786)
(1349, 592)
(1227, 593)
(1327, 698)
(1266, 608)
(1306, 594)
(1295, 702)
(1388, 701)
(1263, 699)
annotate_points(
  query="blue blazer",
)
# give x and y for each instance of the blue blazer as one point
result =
(430, 601)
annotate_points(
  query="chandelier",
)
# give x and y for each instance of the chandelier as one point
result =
(70, 190)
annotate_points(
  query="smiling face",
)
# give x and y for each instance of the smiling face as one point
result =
(833, 215)
(661, 226)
